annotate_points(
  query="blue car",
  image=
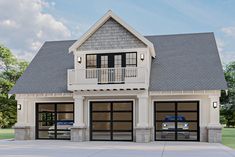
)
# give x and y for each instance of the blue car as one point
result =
(63, 129)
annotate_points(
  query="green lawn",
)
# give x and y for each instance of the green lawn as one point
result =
(228, 137)
(6, 133)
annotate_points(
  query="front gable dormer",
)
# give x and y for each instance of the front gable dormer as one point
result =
(111, 55)
(111, 35)
(110, 32)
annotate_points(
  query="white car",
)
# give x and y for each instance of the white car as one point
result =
(169, 124)
(63, 129)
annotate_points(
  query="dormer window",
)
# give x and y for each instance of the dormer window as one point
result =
(91, 63)
(128, 59)
(131, 63)
(131, 59)
(111, 67)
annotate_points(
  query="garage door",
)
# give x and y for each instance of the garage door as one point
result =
(176, 121)
(54, 120)
(111, 121)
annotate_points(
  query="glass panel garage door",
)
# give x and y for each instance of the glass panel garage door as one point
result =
(111, 121)
(54, 120)
(176, 121)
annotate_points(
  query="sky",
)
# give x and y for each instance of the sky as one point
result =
(26, 24)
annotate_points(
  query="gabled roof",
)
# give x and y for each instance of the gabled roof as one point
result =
(47, 72)
(100, 22)
(184, 62)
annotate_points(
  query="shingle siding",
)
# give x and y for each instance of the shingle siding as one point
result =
(111, 35)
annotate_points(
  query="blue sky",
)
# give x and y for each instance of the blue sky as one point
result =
(72, 18)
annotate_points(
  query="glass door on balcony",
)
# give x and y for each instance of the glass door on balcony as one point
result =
(111, 68)
(103, 71)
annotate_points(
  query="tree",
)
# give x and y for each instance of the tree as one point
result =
(228, 100)
(11, 69)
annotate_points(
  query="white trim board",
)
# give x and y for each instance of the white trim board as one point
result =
(199, 92)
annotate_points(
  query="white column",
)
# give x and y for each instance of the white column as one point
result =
(25, 109)
(214, 112)
(214, 127)
(22, 113)
(143, 112)
(78, 111)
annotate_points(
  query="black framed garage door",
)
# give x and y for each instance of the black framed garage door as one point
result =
(111, 121)
(54, 120)
(176, 121)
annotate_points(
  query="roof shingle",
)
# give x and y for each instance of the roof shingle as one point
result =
(183, 62)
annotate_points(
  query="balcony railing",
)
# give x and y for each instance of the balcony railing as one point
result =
(102, 76)
(111, 75)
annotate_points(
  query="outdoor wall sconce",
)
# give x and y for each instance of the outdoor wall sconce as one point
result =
(215, 104)
(142, 56)
(79, 60)
(19, 106)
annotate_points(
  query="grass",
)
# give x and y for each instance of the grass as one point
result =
(228, 137)
(6, 133)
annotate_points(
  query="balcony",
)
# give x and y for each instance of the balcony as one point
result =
(107, 78)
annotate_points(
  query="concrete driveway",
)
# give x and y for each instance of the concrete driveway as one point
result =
(41, 148)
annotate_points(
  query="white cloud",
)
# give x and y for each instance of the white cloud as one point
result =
(220, 44)
(8, 23)
(24, 26)
(35, 45)
(230, 31)
(225, 55)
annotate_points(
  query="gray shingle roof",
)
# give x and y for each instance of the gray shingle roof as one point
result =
(184, 62)
(47, 73)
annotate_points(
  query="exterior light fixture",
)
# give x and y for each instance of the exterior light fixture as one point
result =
(19, 106)
(79, 60)
(142, 56)
(226, 92)
(215, 104)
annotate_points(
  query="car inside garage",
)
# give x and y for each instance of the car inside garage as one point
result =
(176, 120)
(54, 120)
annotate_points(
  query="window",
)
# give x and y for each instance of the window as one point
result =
(90, 61)
(131, 63)
(91, 64)
(124, 63)
(131, 59)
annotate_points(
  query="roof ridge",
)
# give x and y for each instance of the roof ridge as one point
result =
(180, 34)
(60, 40)
(144, 35)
